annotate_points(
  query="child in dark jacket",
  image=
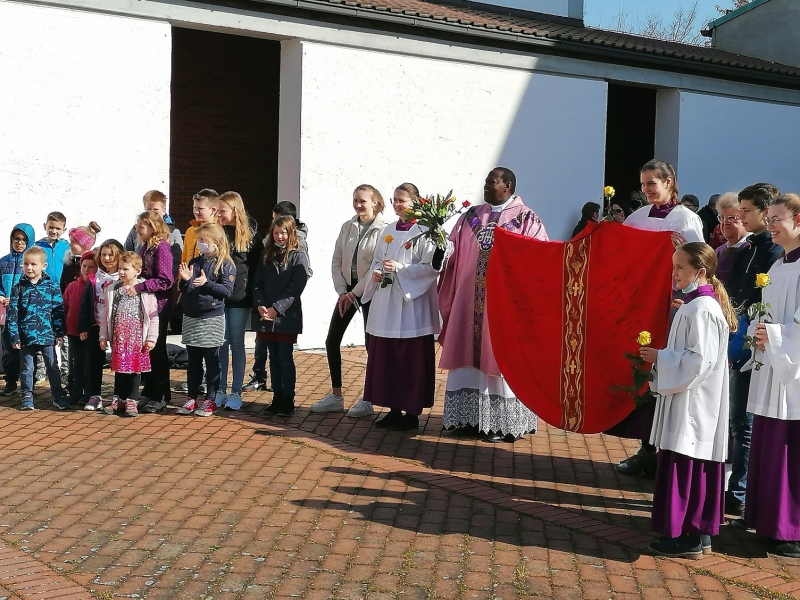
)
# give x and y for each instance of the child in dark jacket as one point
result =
(279, 281)
(10, 273)
(94, 297)
(36, 324)
(72, 308)
(205, 283)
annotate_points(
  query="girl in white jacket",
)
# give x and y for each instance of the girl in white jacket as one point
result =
(350, 267)
(690, 428)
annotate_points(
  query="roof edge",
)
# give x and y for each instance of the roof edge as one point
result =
(731, 15)
(514, 12)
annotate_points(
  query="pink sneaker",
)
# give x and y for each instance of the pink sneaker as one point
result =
(130, 408)
(113, 406)
(188, 407)
(208, 408)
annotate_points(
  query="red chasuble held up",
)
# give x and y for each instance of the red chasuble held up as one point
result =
(562, 315)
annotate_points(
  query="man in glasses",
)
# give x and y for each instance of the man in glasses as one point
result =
(730, 222)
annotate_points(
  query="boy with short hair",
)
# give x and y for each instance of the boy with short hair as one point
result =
(155, 201)
(22, 236)
(54, 246)
(758, 257)
(36, 324)
(204, 209)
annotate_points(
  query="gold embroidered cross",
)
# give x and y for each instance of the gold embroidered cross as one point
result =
(572, 367)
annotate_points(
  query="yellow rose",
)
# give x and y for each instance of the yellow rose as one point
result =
(418, 214)
(762, 280)
(609, 191)
(388, 239)
(644, 338)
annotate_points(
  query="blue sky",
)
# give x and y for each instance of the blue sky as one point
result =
(603, 13)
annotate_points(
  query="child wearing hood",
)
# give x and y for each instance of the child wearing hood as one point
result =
(76, 381)
(10, 272)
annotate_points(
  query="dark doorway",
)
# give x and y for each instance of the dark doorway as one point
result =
(630, 137)
(224, 120)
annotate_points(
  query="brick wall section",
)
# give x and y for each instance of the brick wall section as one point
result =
(224, 121)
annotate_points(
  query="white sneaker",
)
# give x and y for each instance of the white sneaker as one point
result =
(362, 408)
(329, 403)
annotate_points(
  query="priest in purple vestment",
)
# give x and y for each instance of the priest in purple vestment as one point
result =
(477, 397)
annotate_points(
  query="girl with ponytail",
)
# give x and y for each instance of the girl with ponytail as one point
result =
(690, 429)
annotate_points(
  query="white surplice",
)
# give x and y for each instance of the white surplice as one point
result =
(691, 376)
(775, 387)
(680, 220)
(409, 307)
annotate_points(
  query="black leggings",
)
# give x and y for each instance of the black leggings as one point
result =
(126, 386)
(333, 343)
(194, 371)
(77, 369)
(156, 382)
(95, 358)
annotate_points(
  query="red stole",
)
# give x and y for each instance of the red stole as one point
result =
(562, 315)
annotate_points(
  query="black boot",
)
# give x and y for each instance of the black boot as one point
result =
(642, 463)
(273, 408)
(286, 407)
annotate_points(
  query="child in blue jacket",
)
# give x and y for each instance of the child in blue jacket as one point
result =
(10, 273)
(36, 324)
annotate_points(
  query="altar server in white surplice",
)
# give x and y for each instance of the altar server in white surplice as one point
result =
(773, 480)
(690, 428)
(403, 318)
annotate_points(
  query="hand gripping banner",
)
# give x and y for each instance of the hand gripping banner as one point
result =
(562, 315)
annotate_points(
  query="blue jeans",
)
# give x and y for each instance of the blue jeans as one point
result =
(48, 353)
(236, 320)
(281, 367)
(741, 427)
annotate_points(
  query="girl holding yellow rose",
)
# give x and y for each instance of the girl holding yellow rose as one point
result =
(403, 318)
(690, 428)
(773, 480)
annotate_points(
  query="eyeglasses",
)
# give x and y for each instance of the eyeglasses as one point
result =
(617, 211)
(775, 220)
(729, 219)
(19, 239)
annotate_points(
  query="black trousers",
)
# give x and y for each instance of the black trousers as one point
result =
(94, 361)
(156, 382)
(333, 343)
(194, 371)
(11, 364)
(77, 370)
(126, 385)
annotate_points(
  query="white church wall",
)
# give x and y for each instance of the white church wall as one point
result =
(85, 116)
(728, 143)
(382, 118)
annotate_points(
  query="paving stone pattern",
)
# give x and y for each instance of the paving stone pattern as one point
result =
(324, 506)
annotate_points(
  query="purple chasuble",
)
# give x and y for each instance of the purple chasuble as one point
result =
(661, 212)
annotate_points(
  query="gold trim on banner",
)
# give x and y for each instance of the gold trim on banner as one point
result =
(573, 376)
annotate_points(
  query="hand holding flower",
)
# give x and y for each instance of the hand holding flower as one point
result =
(389, 266)
(377, 276)
(761, 337)
(648, 354)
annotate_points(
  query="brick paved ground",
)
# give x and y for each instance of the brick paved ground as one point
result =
(322, 506)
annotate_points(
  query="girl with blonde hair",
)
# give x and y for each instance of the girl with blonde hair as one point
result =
(690, 429)
(246, 248)
(206, 282)
(157, 263)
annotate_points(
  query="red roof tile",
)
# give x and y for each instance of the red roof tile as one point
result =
(423, 12)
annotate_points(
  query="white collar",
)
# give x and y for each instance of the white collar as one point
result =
(740, 243)
(502, 207)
